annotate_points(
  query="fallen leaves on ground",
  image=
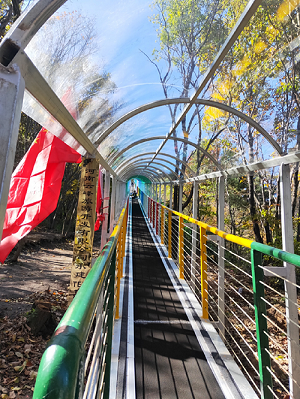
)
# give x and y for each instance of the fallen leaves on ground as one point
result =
(21, 351)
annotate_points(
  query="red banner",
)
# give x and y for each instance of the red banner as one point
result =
(99, 210)
(35, 188)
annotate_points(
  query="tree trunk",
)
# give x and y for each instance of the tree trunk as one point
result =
(176, 198)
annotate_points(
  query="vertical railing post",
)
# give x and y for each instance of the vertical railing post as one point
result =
(204, 286)
(153, 214)
(162, 225)
(124, 229)
(221, 264)
(12, 91)
(160, 193)
(105, 209)
(170, 234)
(194, 236)
(110, 323)
(165, 194)
(264, 361)
(290, 283)
(181, 239)
(157, 218)
(118, 272)
(112, 205)
(121, 247)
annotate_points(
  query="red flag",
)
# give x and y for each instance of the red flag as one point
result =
(35, 187)
(99, 210)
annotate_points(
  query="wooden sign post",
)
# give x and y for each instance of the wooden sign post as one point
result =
(85, 223)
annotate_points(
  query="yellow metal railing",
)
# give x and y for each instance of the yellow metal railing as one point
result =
(236, 302)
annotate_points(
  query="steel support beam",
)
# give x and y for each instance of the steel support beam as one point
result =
(194, 236)
(290, 283)
(105, 209)
(112, 206)
(221, 265)
(12, 92)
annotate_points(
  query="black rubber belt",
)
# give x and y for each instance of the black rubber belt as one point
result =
(169, 362)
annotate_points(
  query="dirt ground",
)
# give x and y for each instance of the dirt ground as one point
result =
(42, 273)
(47, 266)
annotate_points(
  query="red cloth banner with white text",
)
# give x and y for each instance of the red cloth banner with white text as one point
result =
(35, 188)
(99, 210)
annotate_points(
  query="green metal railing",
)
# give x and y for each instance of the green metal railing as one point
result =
(63, 371)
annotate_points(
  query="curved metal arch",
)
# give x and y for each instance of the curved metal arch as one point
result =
(152, 179)
(157, 158)
(185, 100)
(138, 176)
(149, 176)
(161, 153)
(117, 154)
(30, 21)
(154, 163)
(152, 170)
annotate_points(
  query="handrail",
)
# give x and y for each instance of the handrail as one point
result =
(60, 374)
(245, 242)
(229, 237)
(257, 250)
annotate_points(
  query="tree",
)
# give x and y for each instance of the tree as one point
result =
(64, 51)
(189, 36)
(10, 10)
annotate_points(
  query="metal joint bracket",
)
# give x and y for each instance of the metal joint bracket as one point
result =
(272, 271)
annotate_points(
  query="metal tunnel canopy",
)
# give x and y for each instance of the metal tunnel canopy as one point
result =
(107, 68)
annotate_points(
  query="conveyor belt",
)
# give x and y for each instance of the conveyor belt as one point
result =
(169, 362)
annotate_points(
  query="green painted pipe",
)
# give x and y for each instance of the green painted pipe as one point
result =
(276, 253)
(59, 371)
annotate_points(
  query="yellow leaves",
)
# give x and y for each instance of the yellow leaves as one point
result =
(215, 112)
(222, 91)
(286, 8)
(186, 135)
(212, 113)
(241, 66)
(225, 87)
(272, 32)
(218, 96)
(260, 47)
